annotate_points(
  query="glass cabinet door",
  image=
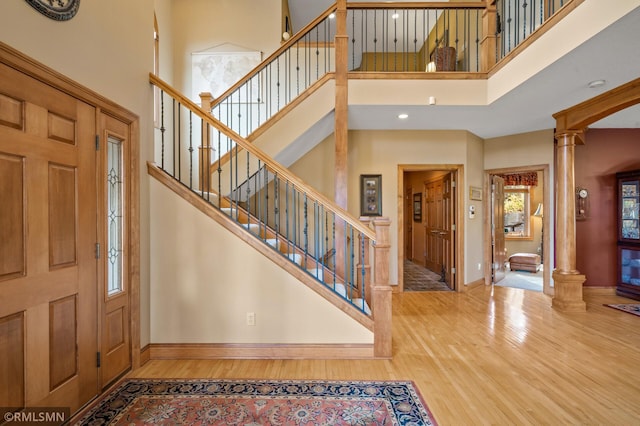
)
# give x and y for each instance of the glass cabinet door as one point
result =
(630, 266)
(629, 210)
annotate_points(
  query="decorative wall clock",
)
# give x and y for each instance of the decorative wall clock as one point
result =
(60, 10)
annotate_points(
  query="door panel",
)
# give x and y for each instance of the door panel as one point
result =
(497, 230)
(114, 267)
(447, 229)
(48, 229)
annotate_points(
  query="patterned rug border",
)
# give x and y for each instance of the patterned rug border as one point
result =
(630, 308)
(409, 407)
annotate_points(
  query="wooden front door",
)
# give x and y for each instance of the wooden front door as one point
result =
(498, 251)
(48, 234)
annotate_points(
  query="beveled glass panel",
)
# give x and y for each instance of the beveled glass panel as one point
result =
(114, 252)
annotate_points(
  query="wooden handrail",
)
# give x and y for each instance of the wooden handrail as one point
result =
(249, 147)
(289, 43)
(423, 5)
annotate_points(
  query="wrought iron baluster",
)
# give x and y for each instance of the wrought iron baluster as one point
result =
(162, 129)
(190, 149)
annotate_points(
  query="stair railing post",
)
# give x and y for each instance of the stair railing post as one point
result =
(204, 150)
(381, 290)
(363, 267)
(488, 44)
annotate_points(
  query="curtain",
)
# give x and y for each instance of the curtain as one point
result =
(527, 179)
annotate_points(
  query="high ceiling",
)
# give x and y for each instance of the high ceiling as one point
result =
(612, 55)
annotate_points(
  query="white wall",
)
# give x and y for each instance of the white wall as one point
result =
(107, 47)
(205, 280)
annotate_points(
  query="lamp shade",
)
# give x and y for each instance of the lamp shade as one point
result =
(539, 211)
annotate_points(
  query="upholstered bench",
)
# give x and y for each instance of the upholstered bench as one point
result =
(524, 262)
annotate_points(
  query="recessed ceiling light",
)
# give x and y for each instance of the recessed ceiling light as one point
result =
(403, 116)
(332, 15)
(596, 83)
(395, 16)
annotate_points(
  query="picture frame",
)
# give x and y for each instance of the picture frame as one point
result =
(475, 193)
(370, 195)
(417, 207)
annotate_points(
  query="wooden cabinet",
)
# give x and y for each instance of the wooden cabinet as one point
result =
(629, 234)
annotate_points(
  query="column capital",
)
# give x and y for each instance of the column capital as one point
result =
(576, 137)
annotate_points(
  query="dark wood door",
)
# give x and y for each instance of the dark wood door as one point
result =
(498, 249)
(48, 234)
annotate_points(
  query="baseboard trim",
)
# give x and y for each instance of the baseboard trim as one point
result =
(259, 351)
(598, 291)
(145, 355)
(472, 284)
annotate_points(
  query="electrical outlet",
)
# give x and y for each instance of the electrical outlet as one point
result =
(251, 318)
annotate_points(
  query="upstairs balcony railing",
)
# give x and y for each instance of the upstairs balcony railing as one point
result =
(405, 38)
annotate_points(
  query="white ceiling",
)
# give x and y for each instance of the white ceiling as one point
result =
(612, 55)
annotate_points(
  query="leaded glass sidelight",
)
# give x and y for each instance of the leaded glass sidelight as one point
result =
(115, 223)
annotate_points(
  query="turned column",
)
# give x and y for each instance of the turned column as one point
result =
(567, 279)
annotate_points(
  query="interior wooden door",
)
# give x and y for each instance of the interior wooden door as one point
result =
(408, 220)
(498, 249)
(434, 224)
(48, 319)
(448, 252)
(114, 211)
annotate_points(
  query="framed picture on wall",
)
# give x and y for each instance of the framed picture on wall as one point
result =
(417, 207)
(370, 195)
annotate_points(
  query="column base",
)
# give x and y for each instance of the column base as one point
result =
(568, 292)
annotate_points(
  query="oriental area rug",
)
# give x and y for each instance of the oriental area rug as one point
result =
(260, 402)
(632, 308)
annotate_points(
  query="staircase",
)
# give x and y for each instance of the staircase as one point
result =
(297, 227)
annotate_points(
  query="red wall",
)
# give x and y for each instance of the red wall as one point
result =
(606, 152)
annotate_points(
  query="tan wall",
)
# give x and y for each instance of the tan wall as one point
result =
(205, 280)
(473, 230)
(380, 152)
(202, 24)
(526, 149)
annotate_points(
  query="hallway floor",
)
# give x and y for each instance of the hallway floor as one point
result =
(418, 278)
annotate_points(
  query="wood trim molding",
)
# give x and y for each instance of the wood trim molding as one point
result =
(259, 351)
(472, 284)
(409, 5)
(579, 116)
(598, 290)
(145, 355)
(416, 75)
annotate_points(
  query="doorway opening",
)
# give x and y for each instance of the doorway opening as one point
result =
(428, 228)
(517, 249)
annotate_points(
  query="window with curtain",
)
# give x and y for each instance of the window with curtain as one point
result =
(517, 212)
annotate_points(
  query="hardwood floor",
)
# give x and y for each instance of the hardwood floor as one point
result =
(497, 356)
